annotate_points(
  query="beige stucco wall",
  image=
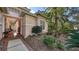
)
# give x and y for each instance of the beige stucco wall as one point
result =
(28, 23)
(43, 19)
(1, 25)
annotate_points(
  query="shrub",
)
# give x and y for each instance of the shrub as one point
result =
(59, 45)
(73, 40)
(49, 40)
(36, 29)
(52, 42)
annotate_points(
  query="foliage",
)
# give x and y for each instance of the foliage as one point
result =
(73, 12)
(67, 27)
(49, 40)
(73, 40)
(59, 45)
(36, 29)
(56, 18)
(52, 42)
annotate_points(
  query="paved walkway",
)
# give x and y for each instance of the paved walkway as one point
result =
(16, 45)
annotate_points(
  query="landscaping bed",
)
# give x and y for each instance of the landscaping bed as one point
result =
(38, 45)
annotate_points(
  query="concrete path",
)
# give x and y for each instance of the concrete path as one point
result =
(16, 45)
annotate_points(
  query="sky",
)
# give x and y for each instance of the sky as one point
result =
(35, 9)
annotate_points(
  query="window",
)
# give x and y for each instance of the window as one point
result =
(42, 24)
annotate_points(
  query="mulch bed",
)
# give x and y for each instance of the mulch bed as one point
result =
(37, 44)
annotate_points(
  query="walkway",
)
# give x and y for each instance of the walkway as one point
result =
(16, 45)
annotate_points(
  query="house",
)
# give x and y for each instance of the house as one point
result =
(76, 25)
(20, 20)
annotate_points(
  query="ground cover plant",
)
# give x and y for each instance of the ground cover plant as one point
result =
(52, 42)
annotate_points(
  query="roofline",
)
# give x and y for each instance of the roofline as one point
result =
(26, 12)
(41, 15)
(29, 13)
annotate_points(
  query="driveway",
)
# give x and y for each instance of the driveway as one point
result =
(16, 45)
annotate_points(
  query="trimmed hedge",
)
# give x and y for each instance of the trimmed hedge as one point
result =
(36, 29)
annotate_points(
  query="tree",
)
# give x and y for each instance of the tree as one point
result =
(74, 13)
(56, 18)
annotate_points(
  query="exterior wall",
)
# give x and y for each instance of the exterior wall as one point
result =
(1, 25)
(76, 26)
(29, 21)
(43, 19)
(28, 24)
(23, 28)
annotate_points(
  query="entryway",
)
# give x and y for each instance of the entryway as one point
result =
(12, 25)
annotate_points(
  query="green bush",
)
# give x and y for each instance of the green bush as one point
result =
(52, 42)
(59, 45)
(36, 29)
(73, 40)
(49, 40)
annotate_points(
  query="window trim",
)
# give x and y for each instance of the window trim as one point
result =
(42, 24)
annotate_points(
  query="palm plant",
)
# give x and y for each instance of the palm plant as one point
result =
(67, 27)
(56, 18)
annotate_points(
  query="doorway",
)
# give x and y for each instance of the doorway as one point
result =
(12, 25)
